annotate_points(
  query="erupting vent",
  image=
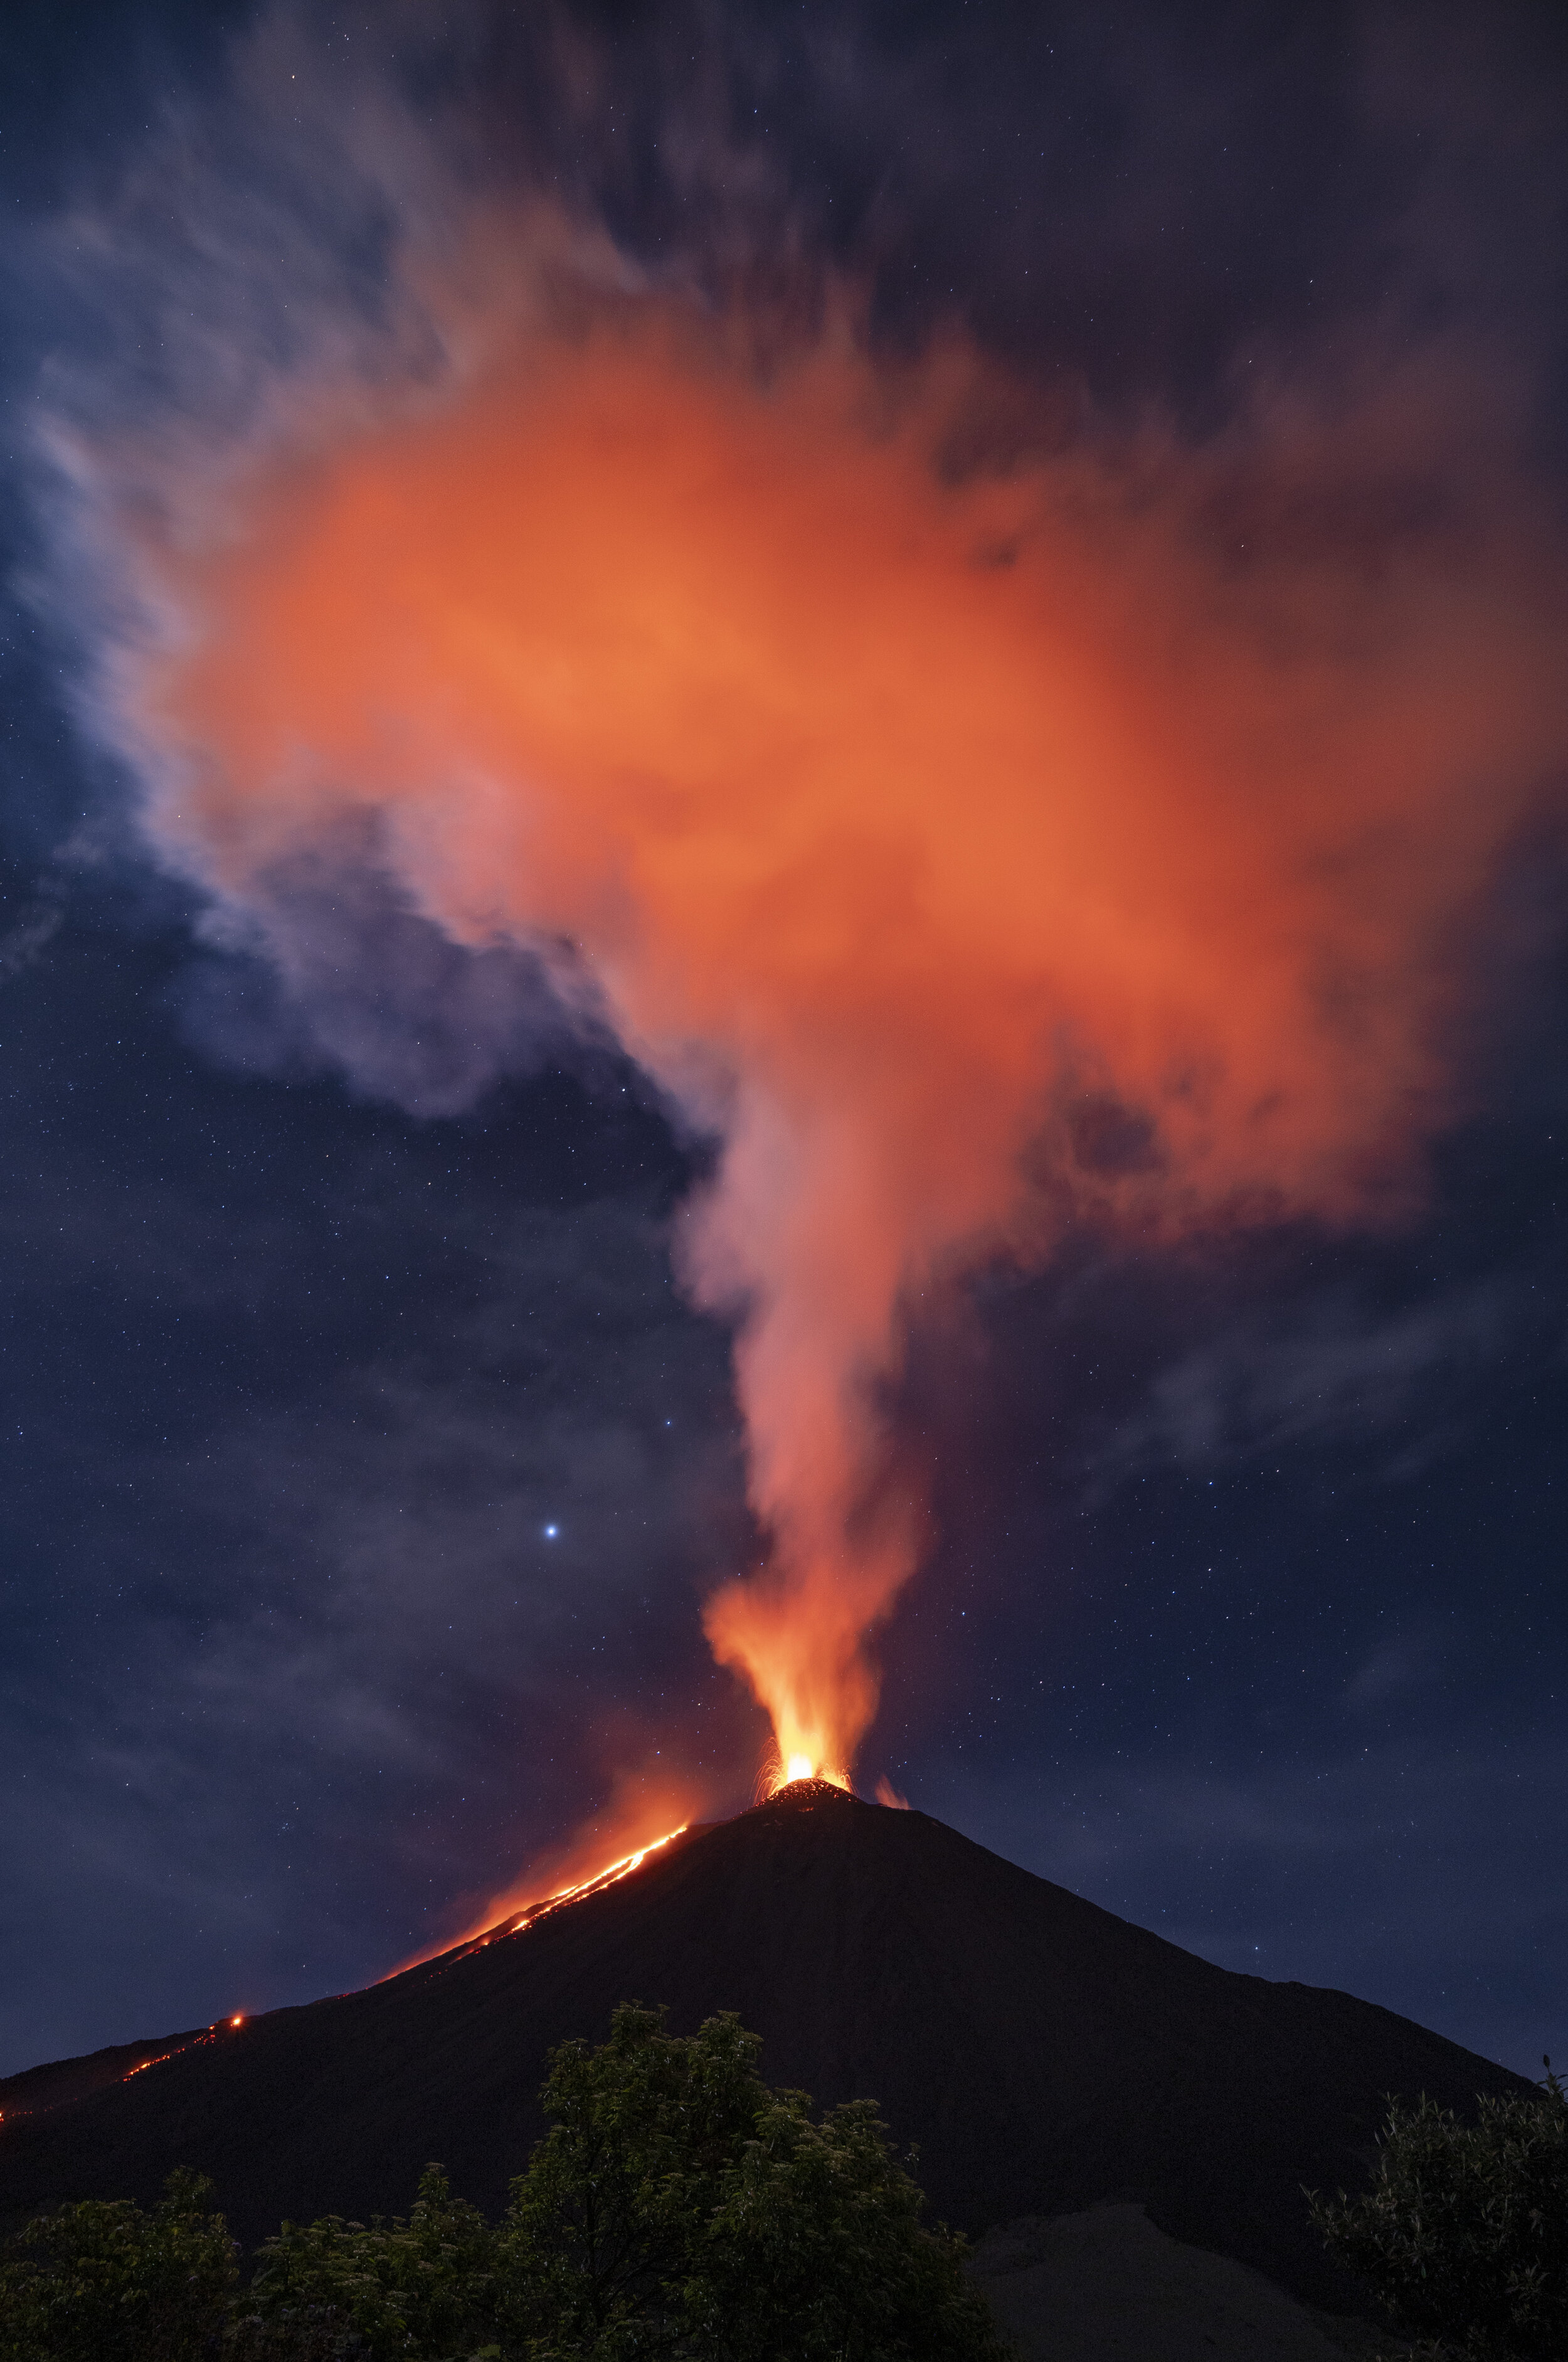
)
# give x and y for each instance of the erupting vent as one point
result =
(804, 1796)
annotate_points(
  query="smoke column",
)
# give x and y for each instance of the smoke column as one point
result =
(975, 843)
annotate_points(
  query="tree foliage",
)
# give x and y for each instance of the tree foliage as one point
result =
(817, 2249)
(678, 2207)
(676, 2210)
(603, 2229)
(419, 2286)
(103, 2281)
(1463, 2234)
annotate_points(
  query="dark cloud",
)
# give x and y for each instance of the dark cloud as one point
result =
(329, 969)
(1345, 1370)
(293, 1393)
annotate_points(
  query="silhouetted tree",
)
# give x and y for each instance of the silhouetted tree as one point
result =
(676, 2208)
(1463, 2234)
(101, 2281)
(424, 2286)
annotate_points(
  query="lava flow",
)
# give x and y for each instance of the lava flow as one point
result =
(490, 1927)
(584, 1887)
(195, 2043)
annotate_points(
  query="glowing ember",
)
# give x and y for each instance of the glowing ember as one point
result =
(195, 2044)
(163, 2056)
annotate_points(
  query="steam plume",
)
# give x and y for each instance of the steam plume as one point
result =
(979, 827)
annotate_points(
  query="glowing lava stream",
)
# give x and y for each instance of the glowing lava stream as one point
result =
(776, 1774)
(584, 1887)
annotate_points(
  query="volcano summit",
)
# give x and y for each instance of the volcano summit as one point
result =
(1044, 2054)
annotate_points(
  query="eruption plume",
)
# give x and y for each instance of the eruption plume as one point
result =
(977, 828)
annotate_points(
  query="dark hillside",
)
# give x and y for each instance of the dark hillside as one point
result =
(38, 2089)
(1043, 2053)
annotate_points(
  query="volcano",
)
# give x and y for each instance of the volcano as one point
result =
(1044, 2055)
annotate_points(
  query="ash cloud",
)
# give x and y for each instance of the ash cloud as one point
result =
(455, 542)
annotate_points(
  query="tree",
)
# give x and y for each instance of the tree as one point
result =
(678, 2207)
(1463, 2234)
(601, 2231)
(101, 2281)
(424, 2286)
(817, 2249)
(676, 2210)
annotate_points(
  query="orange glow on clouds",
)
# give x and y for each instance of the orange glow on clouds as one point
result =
(974, 852)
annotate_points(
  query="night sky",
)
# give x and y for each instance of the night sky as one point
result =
(365, 1457)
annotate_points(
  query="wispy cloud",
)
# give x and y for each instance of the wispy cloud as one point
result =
(1330, 1369)
(28, 937)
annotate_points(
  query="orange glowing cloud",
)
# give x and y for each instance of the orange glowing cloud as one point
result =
(973, 848)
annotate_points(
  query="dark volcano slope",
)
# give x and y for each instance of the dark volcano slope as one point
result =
(1043, 2053)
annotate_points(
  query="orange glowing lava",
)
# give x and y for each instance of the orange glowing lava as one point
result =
(780, 1771)
(162, 2058)
(609, 1876)
(521, 1904)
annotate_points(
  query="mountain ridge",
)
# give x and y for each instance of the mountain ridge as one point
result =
(1044, 2054)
